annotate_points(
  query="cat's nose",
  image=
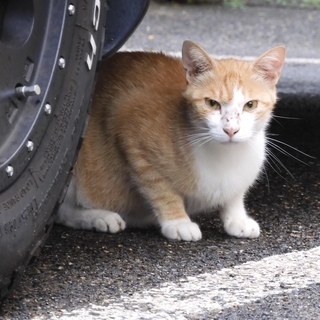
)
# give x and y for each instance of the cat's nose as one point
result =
(231, 131)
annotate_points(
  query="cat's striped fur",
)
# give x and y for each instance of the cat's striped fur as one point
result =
(171, 137)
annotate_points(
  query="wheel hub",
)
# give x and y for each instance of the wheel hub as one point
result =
(26, 72)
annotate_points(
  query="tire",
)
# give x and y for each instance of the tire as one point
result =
(55, 45)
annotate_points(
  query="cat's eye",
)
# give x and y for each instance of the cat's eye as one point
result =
(251, 105)
(213, 104)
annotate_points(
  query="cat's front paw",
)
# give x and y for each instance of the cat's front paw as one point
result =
(181, 229)
(107, 221)
(242, 228)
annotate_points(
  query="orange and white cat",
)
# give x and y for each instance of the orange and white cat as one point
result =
(170, 137)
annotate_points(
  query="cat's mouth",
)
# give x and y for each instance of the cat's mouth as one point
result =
(233, 140)
(230, 142)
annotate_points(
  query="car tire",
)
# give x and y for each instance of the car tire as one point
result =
(49, 52)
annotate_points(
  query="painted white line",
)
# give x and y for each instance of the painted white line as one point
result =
(249, 58)
(214, 292)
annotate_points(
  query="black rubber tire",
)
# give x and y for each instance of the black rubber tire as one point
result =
(55, 44)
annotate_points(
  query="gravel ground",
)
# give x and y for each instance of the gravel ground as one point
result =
(79, 268)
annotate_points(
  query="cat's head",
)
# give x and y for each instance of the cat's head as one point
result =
(231, 99)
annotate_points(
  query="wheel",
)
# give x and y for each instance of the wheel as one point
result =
(48, 54)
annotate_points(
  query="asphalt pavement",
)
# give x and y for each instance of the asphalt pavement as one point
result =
(243, 32)
(138, 274)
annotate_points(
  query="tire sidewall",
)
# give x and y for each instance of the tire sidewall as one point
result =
(27, 206)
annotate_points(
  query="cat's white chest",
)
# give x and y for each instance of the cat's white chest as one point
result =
(225, 171)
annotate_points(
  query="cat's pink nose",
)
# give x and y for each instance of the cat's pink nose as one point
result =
(231, 131)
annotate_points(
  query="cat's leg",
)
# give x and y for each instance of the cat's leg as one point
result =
(236, 222)
(166, 203)
(181, 229)
(73, 215)
(169, 210)
(91, 219)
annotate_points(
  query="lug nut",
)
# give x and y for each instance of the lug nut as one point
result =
(62, 63)
(9, 171)
(27, 91)
(30, 145)
(47, 109)
(71, 9)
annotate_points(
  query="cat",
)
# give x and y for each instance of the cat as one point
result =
(170, 137)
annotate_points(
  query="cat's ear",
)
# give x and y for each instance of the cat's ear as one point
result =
(195, 60)
(269, 65)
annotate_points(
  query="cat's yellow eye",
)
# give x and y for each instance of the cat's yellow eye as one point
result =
(213, 104)
(251, 105)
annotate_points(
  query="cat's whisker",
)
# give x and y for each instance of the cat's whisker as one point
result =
(275, 170)
(267, 178)
(200, 141)
(273, 162)
(291, 147)
(205, 141)
(275, 117)
(275, 159)
(270, 159)
(283, 151)
(198, 134)
(198, 138)
(278, 122)
(282, 117)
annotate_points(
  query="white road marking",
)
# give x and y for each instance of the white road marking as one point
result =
(249, 58)
(211, 292)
